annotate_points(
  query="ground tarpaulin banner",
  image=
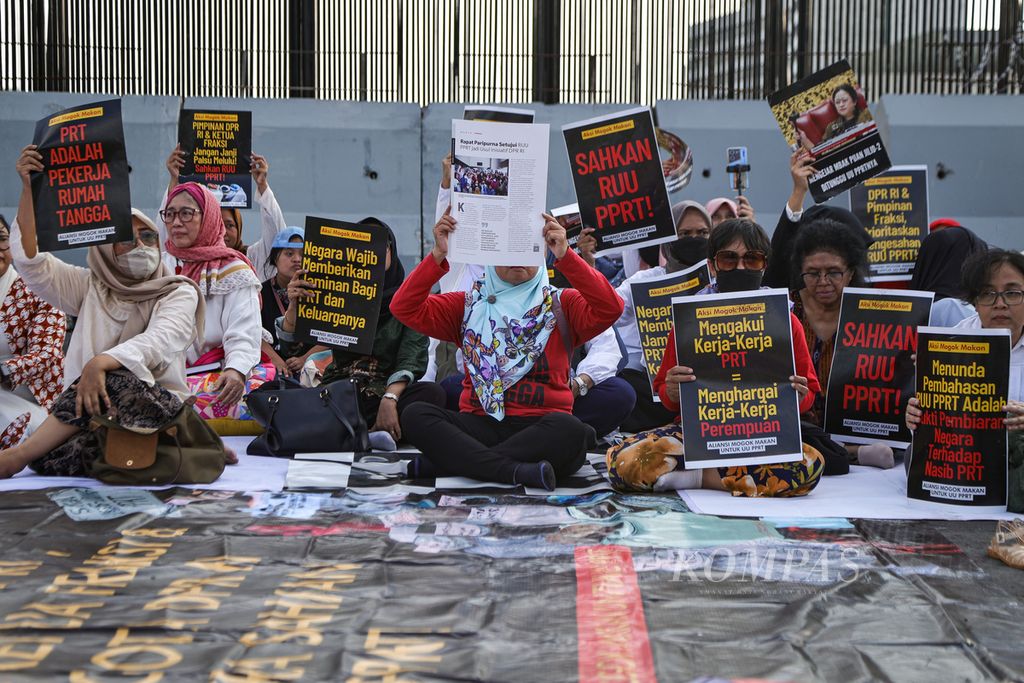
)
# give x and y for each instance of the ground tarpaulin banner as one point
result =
(345, 264)
(82, 196)
(893, 207)
(959, 450)
(218, 152)
(652, 303)
(619, 180)
(827, 116)
(741, 409)
(872, 375)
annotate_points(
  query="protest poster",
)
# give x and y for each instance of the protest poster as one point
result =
(652, 303)
(872, 375)
(893, 208)
(827, 116)
(741, 409)
(619, 180)
(345, 264)
(487, 112)
(218, 152)
(499, 191)
(82, 197)
(959, 452)
(568, 217)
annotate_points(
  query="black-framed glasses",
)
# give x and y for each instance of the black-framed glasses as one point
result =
(148, 237)
(729, 260)
(1013, 297)
(186, 214)
(812, 277)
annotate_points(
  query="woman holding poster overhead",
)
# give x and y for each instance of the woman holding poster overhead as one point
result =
(515, 423)
(228, 285)
(126, 357)
(652, 460)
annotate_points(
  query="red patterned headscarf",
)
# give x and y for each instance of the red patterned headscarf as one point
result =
(208, 252)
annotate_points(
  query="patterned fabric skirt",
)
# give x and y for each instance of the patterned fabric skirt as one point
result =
(135, 403)
(640, 460)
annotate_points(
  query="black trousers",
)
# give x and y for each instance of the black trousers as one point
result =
(647, 414)
(413, 393)
(480, 447)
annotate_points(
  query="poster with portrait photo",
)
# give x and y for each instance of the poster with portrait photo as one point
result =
(619, 179)
(218, 152)
(827, 117)
(893, 208)
(741, 409)
(82, 197)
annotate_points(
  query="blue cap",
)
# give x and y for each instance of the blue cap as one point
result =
(283, 239)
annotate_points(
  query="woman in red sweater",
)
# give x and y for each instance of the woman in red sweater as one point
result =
(515, 422)
(738, 251)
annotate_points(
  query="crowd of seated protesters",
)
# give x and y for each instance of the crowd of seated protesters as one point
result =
(508, 374)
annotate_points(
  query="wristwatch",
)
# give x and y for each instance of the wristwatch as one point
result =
(581, 385)
(390, 396)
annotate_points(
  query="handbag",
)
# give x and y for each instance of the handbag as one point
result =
(1015, 472)
(183, 450)
(307, 420)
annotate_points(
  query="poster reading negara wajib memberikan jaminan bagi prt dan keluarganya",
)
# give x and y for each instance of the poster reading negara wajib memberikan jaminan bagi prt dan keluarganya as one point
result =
(742, 408)
(959, 453)
(82, 197)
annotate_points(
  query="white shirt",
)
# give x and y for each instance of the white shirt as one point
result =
(1016, 358)
(625, 326)
(603, 357)
(949, 312)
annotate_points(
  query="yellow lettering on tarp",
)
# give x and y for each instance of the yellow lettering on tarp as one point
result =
(25, 652)
(38, 615)
(391, 652)
(19, 567)
(262, 669)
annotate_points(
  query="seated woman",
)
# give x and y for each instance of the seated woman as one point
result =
(285, 261)
(938, 269)
(515, 424)
(230, 291)
(993, 282)
(31, 351)
(126, 358)
(650, 460)
(386, 377)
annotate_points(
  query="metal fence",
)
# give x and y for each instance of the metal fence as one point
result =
(424, 51)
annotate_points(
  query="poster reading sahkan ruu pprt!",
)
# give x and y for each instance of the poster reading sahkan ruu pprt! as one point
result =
(82, 196)
(741, 409)
(959, 453)
(345, 264)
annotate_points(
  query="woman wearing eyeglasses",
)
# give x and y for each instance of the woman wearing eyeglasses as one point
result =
(994, 283)
(126, 357)
(31, 351)
(229, 287)
(738, 255)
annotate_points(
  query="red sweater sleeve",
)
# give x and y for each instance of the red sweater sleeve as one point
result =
(435, 315)
(592, 305)
(801, 356)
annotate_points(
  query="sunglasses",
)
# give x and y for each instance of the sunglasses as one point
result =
(729, 260)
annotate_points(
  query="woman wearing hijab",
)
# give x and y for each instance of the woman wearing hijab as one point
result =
(938, 269)
(386, 377)
(515, 423)
(126, 358)
(31, 351)
(227, 282)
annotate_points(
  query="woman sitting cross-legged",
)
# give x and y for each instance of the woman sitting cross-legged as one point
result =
(515, 423)
(649, 460)
(126, 358)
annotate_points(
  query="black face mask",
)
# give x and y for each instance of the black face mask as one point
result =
(739, 280)
(689, 250)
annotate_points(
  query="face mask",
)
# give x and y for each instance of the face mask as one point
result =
(689, 250)
(139, 263)
(739, 280)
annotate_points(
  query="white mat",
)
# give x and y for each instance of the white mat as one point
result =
(252, 473)
(864, 493)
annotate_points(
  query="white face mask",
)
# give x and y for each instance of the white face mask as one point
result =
(139, 263)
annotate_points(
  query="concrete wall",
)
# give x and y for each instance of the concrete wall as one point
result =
(349, 159)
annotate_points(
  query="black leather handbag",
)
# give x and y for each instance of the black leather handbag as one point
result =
(301, 419)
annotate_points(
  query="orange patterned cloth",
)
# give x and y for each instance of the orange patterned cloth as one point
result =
(35, 331)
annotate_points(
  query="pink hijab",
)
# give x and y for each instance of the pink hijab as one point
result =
(208, 252)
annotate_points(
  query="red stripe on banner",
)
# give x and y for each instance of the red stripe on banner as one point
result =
(612, 631)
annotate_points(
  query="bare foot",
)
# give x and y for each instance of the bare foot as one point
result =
(230, 457)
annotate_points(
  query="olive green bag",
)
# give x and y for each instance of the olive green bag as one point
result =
(183, 450)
